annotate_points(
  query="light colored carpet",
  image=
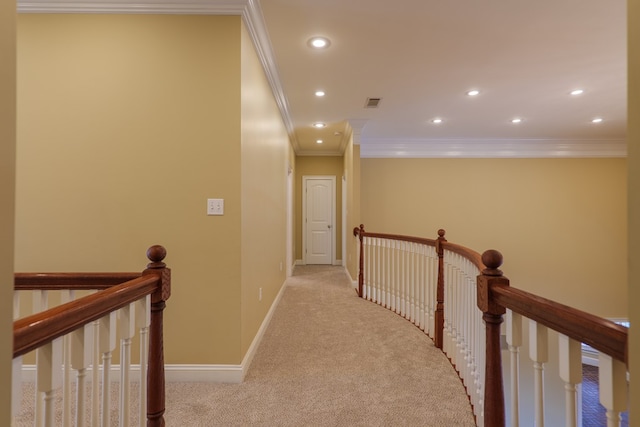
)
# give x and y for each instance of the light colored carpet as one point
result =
(328, 358)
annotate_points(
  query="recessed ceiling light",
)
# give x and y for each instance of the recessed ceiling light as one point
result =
(319, 141)
(473, 92)
(319, 125)
(436, 121)
(320, 93)
(577, 92)
(516, 120)
(597, 120)
(319, 42)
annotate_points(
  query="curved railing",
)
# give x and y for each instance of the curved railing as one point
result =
(67, 333)
(458, 298)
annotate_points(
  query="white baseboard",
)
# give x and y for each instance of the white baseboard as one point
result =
(193, 373)
(300, 262)
(248, 357)
(354, 283)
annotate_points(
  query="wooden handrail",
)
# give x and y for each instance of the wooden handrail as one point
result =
(467, 253)
(38, 329)
(66, 281)
(602, 334)
(495, 296)
(412, 239)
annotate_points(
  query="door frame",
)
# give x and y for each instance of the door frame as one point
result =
(306, 178)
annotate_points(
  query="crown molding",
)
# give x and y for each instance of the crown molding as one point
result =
(492, 148)
(250, 11)
(320, 153)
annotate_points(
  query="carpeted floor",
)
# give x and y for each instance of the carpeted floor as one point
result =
(330, 358)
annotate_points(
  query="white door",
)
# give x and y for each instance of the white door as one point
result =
(319, 220)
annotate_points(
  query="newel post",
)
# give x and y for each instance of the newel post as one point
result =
(439, 313)
(155, 376)
(359, 231)
(492, 314)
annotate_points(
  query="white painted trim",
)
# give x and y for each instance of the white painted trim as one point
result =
(344, 220)
(248, 357)
(354, 283)
(491, 148)
(290, 179)
(306, 178)
(300, 262)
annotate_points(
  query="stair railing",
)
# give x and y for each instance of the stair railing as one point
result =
(74, 334)
(458, 298)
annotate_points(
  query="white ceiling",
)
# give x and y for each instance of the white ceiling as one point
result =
(420, 57)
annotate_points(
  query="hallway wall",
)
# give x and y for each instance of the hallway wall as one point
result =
(560, 223)
(7, 197)
(137, 120)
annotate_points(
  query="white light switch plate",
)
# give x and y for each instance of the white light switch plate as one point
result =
(215, 206)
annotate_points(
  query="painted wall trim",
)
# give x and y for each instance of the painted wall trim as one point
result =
(251, 352)
(491, 148)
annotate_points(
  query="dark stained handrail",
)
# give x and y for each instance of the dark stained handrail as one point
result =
(39, 329)
(67, 281)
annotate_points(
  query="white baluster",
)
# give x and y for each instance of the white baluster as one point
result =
(95, 376)
(107, 343)
(421, 286)
(66, 296)
(570, 359)
(367, 268)
(514, 341)
(49, 377)
(539, 354)
(414, 287)
(16, 386)
(40, 303)
(16, 377)
(81, 357)
(127, 330)
(143, 320)
(612, 377)
(393, 284)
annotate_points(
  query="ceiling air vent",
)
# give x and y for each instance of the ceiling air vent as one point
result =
(372, 102)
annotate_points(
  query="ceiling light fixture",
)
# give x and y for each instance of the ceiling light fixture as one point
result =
(319, 125)
(319, 141)
(516, 120)
(473, 92)
(577, 92)
(597, 120)
(319, 42)
(320, 93)
(436, 121)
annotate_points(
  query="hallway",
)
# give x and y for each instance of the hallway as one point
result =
(330, 358)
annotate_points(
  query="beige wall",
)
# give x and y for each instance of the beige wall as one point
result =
(633, 137)
(127, 124)
(7, 194)
(265, 157)
(318, 165)
(560, 223)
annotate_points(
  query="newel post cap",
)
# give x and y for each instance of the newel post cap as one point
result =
(492, 259)
(156, 254)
